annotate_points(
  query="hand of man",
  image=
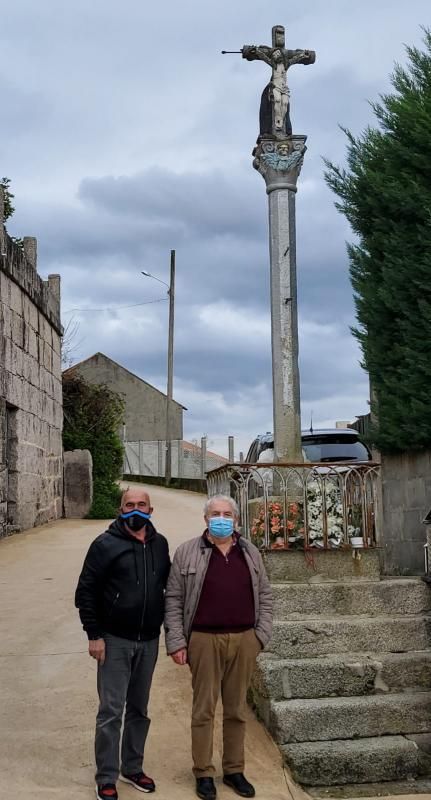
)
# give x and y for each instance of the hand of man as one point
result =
(96, 649)
(180, 657)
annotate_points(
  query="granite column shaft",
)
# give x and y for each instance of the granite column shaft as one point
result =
(279, 163)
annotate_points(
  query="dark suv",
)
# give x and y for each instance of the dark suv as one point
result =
(332, 445)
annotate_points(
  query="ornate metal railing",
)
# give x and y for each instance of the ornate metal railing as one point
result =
(302, 506)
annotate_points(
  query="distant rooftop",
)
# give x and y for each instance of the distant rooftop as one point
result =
(75, 367)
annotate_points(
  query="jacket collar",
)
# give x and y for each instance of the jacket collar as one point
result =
(205, 542)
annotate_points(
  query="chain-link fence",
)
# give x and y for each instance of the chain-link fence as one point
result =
(188, 459)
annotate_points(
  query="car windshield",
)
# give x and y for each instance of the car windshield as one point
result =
(334, 448)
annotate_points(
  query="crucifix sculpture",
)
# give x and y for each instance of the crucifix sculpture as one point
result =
(274, 106)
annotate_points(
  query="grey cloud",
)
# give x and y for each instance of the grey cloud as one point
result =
(121, 226)
(127, 134)
(207, 204)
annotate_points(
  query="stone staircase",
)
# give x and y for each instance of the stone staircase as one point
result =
(345, 684)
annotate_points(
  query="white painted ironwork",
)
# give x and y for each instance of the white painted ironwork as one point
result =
(303, 506)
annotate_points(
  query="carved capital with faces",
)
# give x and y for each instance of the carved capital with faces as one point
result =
(279, 161)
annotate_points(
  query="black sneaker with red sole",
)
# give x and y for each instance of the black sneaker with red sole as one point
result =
(140, 781)
(106, 791)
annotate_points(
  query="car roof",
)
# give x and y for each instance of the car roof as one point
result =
(267, 438)
(319, 431)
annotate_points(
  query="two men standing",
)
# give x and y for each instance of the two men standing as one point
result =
(218, 618)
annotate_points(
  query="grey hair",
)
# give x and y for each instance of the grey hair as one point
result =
(224, 497)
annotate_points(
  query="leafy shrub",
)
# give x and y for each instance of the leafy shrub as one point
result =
(92, 418)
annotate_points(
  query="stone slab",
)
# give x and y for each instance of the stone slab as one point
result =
(312, 637)
(320, 565)
(407, 789)
(329, 718)
(386, 758)
(78, 483)
(348, 675)
(393, 596)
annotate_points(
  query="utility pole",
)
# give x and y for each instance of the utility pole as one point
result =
(168, 464)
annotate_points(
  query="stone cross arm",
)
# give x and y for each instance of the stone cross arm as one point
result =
(271, 55)
(253, 52)
(301, 56)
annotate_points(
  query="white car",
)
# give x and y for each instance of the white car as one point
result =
(331, 445)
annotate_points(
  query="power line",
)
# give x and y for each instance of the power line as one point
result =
(115, 308)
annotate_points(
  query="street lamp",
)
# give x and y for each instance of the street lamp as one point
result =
(150, 275)
(171, 293)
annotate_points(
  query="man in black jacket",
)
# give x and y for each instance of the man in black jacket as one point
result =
(120, 597)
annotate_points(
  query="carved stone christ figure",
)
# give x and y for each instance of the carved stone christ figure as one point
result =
(274, 107)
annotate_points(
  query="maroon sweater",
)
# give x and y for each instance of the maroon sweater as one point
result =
(226, 604)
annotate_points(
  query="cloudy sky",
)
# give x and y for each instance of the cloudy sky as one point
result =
(126, 134)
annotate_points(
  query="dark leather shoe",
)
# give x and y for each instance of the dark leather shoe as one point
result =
(239, 784)
(205, 788)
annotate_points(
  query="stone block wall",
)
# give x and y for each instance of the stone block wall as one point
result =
(406, 500)
(31, 411)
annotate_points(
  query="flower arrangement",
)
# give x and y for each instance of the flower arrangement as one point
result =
(290, 532)
(282, 533)
(334, 514)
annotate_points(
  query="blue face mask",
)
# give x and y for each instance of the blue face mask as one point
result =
(221, 527)
(135, 519)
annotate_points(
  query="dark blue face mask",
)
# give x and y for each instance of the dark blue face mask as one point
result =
(135, 519)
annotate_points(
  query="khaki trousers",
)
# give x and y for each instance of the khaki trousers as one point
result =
(220, 663)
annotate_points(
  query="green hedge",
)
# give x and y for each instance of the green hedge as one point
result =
(92, 417)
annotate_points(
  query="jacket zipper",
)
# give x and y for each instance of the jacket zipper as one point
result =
(113, 603)
(198, 597)
(144, 607)
(250, 563)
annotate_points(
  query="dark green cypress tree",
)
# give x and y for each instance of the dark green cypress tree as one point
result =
(385, 193)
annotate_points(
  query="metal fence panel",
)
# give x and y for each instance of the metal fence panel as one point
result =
(302, 506)
(189, 460)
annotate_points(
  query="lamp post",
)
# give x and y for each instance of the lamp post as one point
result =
(171, 294)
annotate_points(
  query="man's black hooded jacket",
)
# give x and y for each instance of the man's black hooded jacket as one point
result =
(122, 584)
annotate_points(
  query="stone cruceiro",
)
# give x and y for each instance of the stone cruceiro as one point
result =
(278, 156)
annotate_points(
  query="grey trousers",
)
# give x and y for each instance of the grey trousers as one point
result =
(123, 684)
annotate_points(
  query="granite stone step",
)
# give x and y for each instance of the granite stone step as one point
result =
(340, 565)
(312, 637)
(360, 761)
(408, 786)
(373, 598)
(329, 718)
(347, 674)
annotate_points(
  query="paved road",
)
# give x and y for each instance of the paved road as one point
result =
(47, 680)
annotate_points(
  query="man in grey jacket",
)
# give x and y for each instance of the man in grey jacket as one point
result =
(218, 617)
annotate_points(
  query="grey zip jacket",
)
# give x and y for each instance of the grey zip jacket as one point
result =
(185, 584)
